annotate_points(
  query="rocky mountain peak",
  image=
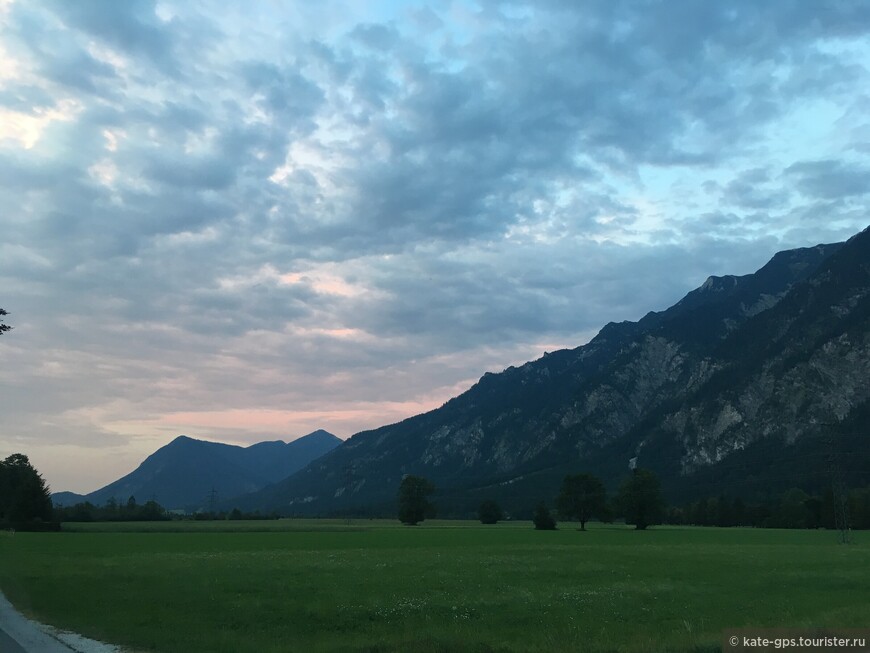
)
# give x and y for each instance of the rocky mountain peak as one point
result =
(739, 361)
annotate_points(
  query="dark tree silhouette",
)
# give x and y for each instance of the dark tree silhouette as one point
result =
(582, 497)
(414, 504)
(543, 519)
(86, 511)
(640, 499)
(24, 497)
(489, 512)
(4, 327)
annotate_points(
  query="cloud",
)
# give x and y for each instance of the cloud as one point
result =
(830, 179)
(335, 208)
(134, 28)
(753, 189)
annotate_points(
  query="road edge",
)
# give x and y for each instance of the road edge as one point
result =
(35, 637)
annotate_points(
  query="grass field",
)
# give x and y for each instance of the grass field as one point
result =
(320, 585)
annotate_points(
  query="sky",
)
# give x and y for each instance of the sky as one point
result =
(247, 221)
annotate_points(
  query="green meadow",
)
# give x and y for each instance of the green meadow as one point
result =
(336, 585)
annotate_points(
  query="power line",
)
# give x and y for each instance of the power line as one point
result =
(212, 500)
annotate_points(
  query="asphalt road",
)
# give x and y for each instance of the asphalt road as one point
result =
(9, 645)
(20, 635)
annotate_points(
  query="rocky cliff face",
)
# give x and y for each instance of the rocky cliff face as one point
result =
(797, 369)
(768, 356)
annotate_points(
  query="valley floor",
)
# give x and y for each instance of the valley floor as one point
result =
(336, 585)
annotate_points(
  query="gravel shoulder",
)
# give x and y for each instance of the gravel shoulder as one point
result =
(34, 637)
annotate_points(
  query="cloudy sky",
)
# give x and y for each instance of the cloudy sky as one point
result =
(245, 221)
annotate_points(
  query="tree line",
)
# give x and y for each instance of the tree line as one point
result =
(639, 501)
(582, 497)
(794, 508)
(112, 510)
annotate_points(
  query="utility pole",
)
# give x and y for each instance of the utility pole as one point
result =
(838, 485)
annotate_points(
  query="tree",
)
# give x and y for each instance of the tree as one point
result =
(640, 498)
(414, 504)
(543, 519)
(793, 511)
(4, 327)
(582, 497)
(24, 496)
(153, 511)
(490, 512)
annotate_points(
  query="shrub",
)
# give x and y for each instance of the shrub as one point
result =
(490, 512)
(543, 519)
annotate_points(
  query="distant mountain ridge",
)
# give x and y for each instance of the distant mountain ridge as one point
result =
(193, 474)
(744, 368)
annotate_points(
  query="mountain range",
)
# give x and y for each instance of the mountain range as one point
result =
(748, 386)
(195, 474)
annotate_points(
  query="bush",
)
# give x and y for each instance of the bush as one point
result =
(490, 512)
(543, 519)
